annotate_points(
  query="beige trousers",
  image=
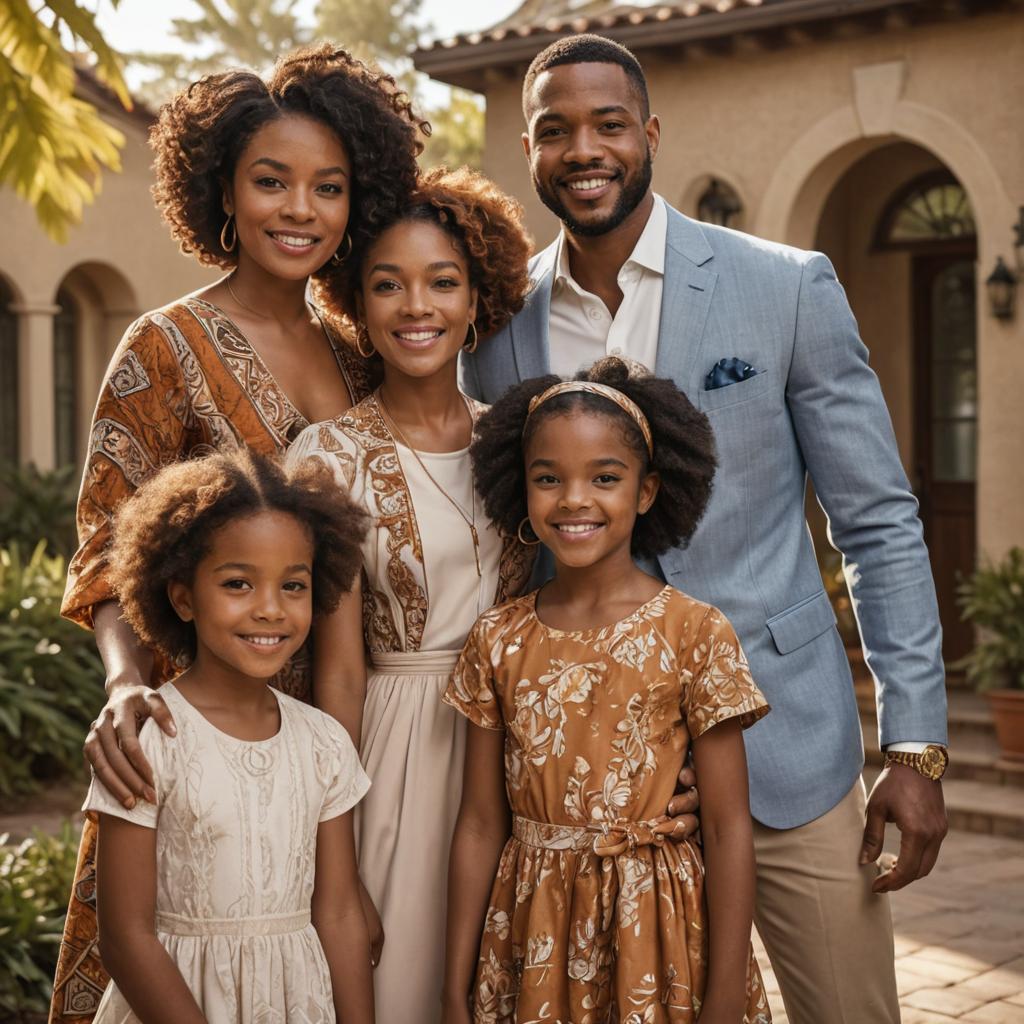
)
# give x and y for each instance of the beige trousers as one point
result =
(828, 936)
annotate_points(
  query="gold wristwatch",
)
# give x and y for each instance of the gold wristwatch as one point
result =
(931, 762)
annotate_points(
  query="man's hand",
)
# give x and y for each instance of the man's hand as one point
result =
(682, 818)
(112, 747)
(915, 804)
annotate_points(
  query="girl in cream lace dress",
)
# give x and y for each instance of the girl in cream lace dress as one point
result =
(433, 562)
(234, 898)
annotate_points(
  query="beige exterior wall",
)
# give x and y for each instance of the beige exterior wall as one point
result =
(785, 127)
(119, 262)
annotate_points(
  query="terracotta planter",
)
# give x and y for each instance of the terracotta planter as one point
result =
(1008, 714)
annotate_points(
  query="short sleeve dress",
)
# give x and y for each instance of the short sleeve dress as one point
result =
(592, 918)
(236, 829)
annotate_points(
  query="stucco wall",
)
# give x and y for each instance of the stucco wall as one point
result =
(119, 262)
(784, 126)
(121, 230)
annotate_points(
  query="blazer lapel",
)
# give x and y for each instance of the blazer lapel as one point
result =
(529, 329)
(686, 298)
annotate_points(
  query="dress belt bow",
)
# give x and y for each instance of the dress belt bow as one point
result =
(621, 836)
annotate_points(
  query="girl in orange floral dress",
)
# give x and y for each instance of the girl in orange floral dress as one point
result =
(566, 903)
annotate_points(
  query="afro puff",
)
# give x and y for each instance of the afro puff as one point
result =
(166, 528)
(684, 450)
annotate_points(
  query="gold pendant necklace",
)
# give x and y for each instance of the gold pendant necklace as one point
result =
(470, 519)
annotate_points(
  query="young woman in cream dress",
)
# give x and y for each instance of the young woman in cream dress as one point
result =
(448, 271)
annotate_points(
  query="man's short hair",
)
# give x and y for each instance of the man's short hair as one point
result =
(588, 49)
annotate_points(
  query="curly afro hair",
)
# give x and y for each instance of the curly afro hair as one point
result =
(684, 450)
(200, 134)
(166, 528)
(485, 224)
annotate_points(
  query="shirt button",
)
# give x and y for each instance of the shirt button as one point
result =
(594, 314)
(615, 351)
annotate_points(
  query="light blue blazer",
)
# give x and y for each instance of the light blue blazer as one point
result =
(814, 407)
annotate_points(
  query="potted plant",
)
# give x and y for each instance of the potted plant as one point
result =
(993, 600)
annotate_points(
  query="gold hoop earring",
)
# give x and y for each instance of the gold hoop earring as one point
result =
(361, 333)
(337, 259)
(229, 223)
(471, 346)
(522, 539)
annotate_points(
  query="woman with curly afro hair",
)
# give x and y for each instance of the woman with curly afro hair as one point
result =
(275, 181)
(441, 275)
(584, 698)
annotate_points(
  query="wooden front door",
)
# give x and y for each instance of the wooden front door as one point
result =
(945, 428)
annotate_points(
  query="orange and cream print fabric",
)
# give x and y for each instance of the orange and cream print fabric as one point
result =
(360, 451)
(593, 918)
(183, 382)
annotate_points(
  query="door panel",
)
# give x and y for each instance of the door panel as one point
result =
(945, 428)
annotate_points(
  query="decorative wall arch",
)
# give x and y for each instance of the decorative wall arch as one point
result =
(792, 203)
(110, 285)
(791, 208)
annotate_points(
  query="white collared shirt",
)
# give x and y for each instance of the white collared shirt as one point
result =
(582, 330)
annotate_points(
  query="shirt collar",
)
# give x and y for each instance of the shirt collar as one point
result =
(648, 253)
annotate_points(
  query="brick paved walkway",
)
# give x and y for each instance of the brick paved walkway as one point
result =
(959, 936)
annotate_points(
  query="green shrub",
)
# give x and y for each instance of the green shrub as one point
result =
(35, 881)
(993, 599)
(51, 676)
(36, 504)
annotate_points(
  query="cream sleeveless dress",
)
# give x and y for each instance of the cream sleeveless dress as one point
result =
(421, 596)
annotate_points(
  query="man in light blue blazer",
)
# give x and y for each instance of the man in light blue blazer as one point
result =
(761, 338)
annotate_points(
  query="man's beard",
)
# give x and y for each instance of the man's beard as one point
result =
(633, 192)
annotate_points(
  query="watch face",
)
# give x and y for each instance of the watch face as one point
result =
(933, 761)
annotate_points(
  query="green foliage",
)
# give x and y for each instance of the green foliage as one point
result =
(993, 599)
(35, 880)
(36, 504)
(458, 136)
(254, 33)
(52, 144)
(51, 676)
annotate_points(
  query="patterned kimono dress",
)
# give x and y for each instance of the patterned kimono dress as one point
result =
(421, 595)
(593, 918)
(183, 383)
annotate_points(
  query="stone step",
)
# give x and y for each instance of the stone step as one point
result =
(969, 717)
(978, 807)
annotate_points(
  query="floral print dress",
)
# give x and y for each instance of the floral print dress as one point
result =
(592, 918)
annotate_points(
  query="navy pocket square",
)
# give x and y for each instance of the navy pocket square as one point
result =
(728, 371)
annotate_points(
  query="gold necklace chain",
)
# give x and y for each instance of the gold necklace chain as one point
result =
(470, 520)
(227, 281)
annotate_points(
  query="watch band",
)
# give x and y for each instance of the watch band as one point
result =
(931, 762)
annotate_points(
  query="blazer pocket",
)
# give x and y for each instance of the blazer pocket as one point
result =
(734, 394)
(801, 623)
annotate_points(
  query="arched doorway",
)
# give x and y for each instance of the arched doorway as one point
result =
(66, 331)
(900, 229)
(8, 376)
(95, 304)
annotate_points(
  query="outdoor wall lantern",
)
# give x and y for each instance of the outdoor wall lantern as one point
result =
(719, 204)
(1002, 290)
(1018, 242)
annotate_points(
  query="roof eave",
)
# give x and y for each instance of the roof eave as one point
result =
(466, 64)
